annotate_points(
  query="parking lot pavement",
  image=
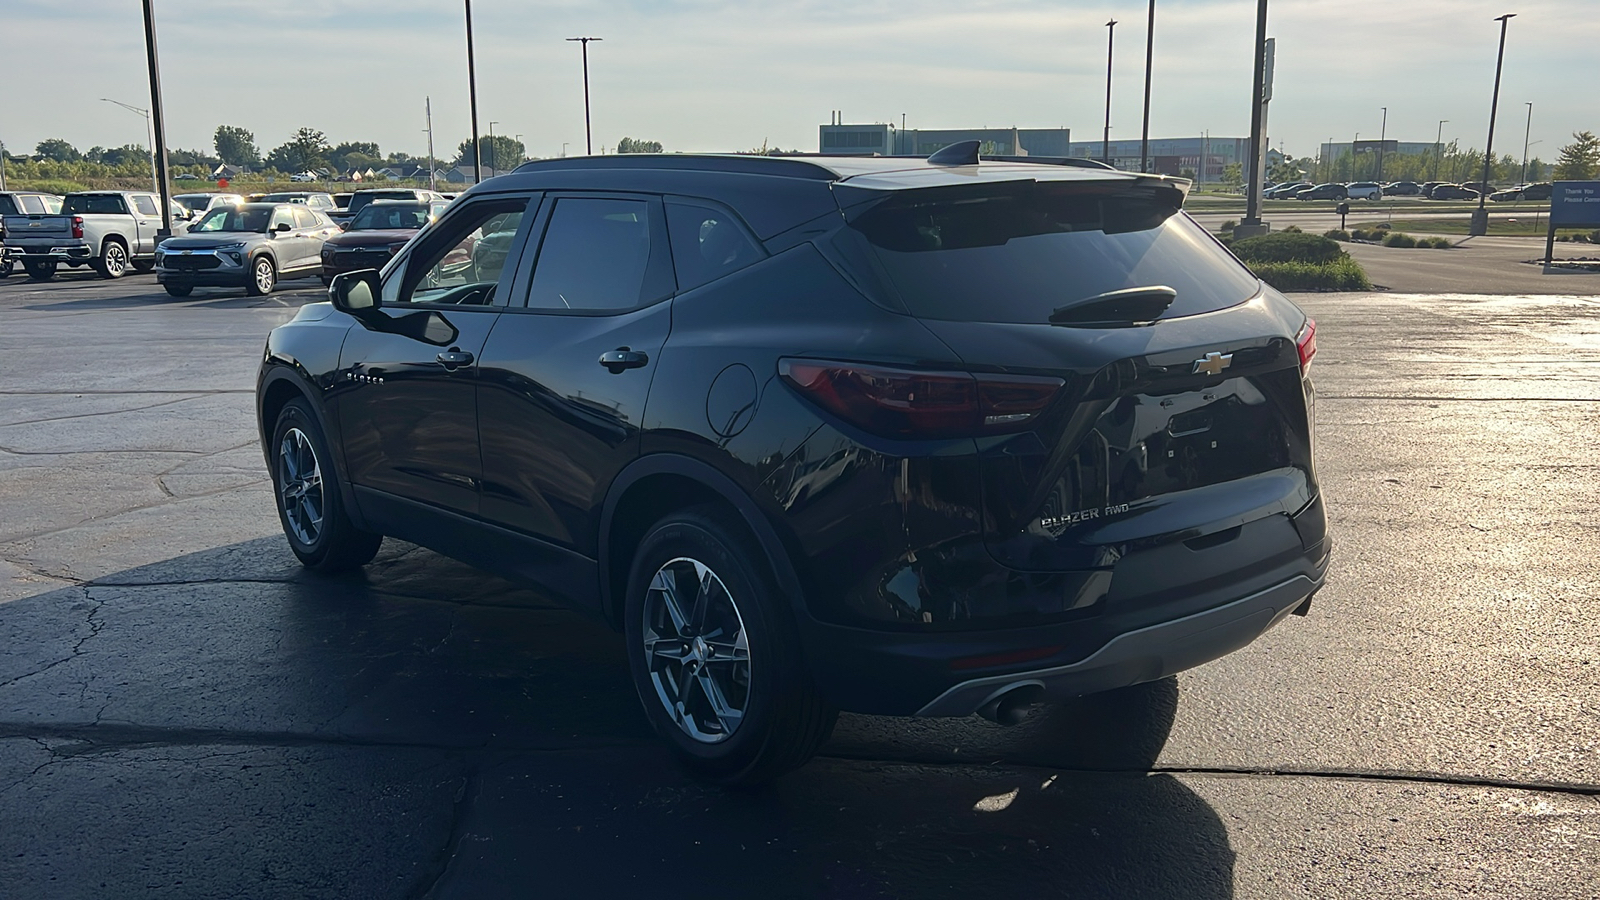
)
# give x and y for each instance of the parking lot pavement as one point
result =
(185, 713)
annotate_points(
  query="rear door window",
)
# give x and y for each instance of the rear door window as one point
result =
(305, 218)
(145, 205)
(1018, 252)
(601, 254)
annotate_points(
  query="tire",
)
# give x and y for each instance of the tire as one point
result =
(752, 660)
(7, 267)
(305, 487)
(263, 277)
(113, 261)
(40, 271)
(179, 290)
(144, 266)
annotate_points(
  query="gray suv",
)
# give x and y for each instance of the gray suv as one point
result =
(252, 246)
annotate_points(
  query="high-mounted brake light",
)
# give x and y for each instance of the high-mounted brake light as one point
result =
(1306, 343)
(910, 403)
(77, 226)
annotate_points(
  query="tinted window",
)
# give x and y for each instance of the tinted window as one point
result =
(90, 204)
(595, 255)
(8, 206)
(196, 202)
(390, 215)
(706, 244)
(462, 261)
(1016, 253)
(145, 205)
(361, 199)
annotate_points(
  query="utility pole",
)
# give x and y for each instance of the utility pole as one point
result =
(2, 165)
(588, 138)
(492, 154)
(1527, 132)
(149, 137)
(158, 137)
(472, 96)
(1480, 216)
(428, 107)
(1105, 144)
(1149, 57)
(1382, 134)
(1438, 149)
(1252, 224)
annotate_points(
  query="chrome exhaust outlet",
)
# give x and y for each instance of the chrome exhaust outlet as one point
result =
(1012, 705)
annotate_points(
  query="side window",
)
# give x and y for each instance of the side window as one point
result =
(281, 216)
(304, 218)
(462, 260)
(598, 254)
(145, 205)
(706, 244)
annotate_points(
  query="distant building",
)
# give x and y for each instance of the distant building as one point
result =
(886, 140)
(1203, 158)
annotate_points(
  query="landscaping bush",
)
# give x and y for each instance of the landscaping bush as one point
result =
(1292, 229)
(1336, 234)
(1228, 226)
(1290, 246)
(1399, 239)
(1436, 243)
(1370, 232)
(1339, 275)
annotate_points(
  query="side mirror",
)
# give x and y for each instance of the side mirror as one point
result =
(282, 227)
(344, 226)
(356, 293)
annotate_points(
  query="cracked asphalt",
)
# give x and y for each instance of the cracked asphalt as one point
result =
(185, 713)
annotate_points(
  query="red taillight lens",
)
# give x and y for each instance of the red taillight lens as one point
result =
(1306, 343)
(908, 403)
(77, 226)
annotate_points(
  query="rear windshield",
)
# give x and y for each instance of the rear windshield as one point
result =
(390, 215)
(1017, 253)
(90, 204)
(360, 200)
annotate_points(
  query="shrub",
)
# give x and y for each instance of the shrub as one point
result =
(1292, 229)
(1594, 236)
(1288, 246)
(1339, 275)
(1399, 239)
(1228, 226)
(1336, 234)
(1436, 243)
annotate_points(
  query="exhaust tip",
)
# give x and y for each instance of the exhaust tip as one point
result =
(1012, 705)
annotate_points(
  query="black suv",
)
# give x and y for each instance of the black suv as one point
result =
(896, 436)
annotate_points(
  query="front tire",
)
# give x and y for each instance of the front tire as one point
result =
(263, 277)
(715, 655)
(179, 290)
(40, 271)
(310, 506)
(113, 261)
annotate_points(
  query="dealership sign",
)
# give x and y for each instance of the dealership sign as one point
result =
(1575, 204)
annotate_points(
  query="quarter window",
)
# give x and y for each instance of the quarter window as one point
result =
(706, 244)
(597, 255)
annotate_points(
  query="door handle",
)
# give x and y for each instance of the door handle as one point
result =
(623, 358)
(454, 358)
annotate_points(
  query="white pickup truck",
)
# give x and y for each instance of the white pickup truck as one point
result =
(112, 231)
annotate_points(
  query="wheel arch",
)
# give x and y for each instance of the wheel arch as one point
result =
(117, 238)
(279, 385)
(658, 484)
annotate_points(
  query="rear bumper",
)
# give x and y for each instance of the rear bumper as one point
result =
(42, 252)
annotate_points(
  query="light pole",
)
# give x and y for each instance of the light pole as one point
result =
(1526, 133)
(149, 136)
(1382, 133)
(1252, 224)
(523, 152)
(1353, 142)
(564, 149)
(588, 138)
(1438, 148)
(158, 137)
(1105, 142)
(472, 96)
(1149, 56)
(1480, 216)
(491, 148)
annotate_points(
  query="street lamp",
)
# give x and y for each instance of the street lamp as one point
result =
(1527, 131)
(1105, 144)
(1252, 224)
(491, 148)
(1149, 56)
(1480, 216)
(1438, 148)
(472, 96)
(1382, 133)
(588, 138)
(149, 135)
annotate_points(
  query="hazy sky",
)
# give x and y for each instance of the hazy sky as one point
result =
(717, 75)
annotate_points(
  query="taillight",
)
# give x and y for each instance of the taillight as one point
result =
(77, 226)
(909, 403)
(1306, 343)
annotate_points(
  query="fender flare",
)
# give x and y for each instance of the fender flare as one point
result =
(760, 526)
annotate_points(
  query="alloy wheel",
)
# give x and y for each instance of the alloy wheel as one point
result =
(696, 650)
(300, 486)
(263, 274)
(116, 260)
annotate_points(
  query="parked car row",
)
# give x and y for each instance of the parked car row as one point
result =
(217, 240)
(1431, 190)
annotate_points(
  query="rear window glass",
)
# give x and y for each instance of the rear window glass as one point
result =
(90, 204)
(1017, 253)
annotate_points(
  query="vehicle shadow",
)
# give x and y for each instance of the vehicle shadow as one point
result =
(559, 776)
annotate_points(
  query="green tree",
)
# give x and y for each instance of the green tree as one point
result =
(629, 145)
(307, 149)
(1577, 161)
(500, 153)
(236, 146)
(1233, 175)
(57, 150)
(353, 154)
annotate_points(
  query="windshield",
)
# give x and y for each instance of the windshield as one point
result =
(229, 219)
(386, 215)
(1017, 253)
(285, 198)
(196, 204)
(359, 201)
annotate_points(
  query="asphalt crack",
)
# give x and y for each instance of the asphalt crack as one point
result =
(466, 796)
(94, 623)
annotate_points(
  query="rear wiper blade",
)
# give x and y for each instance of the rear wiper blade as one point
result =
(1129, 306)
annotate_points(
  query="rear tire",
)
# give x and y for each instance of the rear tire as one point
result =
(6, 268)
(40, 271)
(715, 655)
(179, 290)
(144, 266)
(113, 261)
(263, 277)
(310, 505)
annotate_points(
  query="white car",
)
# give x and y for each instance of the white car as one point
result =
(1364, 190)
(303, 176)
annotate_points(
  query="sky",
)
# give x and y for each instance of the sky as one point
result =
(716, 75)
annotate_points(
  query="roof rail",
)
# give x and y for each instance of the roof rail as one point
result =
(790, 166)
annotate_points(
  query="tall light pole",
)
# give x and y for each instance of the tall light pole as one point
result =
(472, 96)
(588, 138)
(158, 138)
(1382, 133)
(149, 136)
(1149, 57)
(1252, 224)
(1526, 133)
(428, 110)
(1438, 148)
(491, 148)
(1480, 216)
(1105, 142)
(1353, 142)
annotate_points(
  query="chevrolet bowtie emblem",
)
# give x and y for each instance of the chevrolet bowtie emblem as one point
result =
(1212, 364)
